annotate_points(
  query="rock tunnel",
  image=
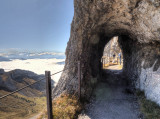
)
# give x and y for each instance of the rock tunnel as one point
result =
(95, 22)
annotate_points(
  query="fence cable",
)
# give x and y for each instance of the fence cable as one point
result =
(29, 85)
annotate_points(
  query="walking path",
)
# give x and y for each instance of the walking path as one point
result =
(111, 102)
(114, 67)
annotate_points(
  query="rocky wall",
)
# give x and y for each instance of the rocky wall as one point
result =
(95, 22)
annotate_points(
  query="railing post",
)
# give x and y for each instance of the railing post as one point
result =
(79, 79)
(48, 94)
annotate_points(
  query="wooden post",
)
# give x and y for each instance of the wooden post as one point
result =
(48, 94)
(79, 79)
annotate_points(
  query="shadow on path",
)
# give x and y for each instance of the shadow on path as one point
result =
(111, 102)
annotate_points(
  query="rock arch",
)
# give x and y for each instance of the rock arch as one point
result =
(95, 22)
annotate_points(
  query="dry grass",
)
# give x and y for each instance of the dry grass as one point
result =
(17, 106)
(64, 107)
(149, 109)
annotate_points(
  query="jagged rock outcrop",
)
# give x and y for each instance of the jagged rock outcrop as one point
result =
(95, 22)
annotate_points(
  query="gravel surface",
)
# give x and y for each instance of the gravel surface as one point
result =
(111, 102)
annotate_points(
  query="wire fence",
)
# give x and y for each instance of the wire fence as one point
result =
(13, 105)
(4, 96)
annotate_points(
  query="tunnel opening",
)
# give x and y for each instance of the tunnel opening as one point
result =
(112, 64)
(112, 58)
(122, 43)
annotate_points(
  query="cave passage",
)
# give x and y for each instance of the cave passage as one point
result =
(113, 95)
(118, 58)
(112, 60)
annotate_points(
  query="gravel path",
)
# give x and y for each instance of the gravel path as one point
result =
(111, 102)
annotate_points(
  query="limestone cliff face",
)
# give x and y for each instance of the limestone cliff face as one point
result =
(136, 22)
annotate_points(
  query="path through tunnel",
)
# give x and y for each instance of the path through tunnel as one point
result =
(112, 63)
(128, 48)
(113, 96)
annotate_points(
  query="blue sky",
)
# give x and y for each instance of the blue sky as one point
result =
(35, 24)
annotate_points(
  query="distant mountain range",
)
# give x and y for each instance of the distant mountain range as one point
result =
(7, 55)
(4, 59)
(16, 79)
(23, 104)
